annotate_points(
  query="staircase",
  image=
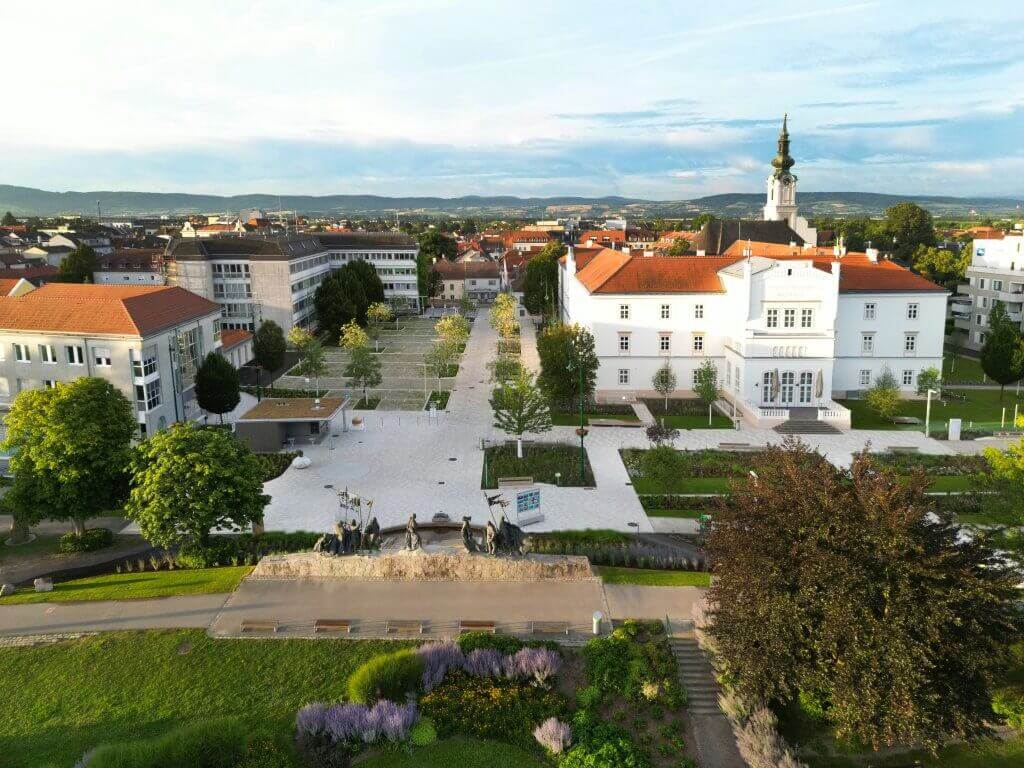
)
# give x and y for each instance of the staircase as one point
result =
(804, 421)
(696, 676)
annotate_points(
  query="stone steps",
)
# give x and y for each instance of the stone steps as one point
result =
(697, 677)
(806, 427)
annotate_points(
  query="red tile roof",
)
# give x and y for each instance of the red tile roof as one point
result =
(231, 337)
(466, 269)
(7, 285)
(121, 310)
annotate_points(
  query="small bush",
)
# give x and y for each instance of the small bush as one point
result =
(503, 644)
(91, 540)
(1009, 702)
(617, 753)
(212, 744)
(266, 753)
(390, 676)
(662, 465)
(554, 735)
(423, 734)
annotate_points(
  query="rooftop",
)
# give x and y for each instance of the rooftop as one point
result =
(231, 337)
(294, 409)
(466, 269)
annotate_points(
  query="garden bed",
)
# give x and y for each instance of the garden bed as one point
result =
(979, 409)
(367, 404)
(611, 548)
(685, 414)
(275, 464)
(438, 399)
(540, 461)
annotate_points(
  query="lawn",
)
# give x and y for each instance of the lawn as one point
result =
(982, 408)
(63, 699)
(572, 419)
(42, 546)
(684, 485)
(540, 461)
(136, 586)
(689, 513)
(439, 399)
(464, 753)
(948, 484)
(652, 578)
(965, 369)
(989, 753)
(686, 414)
(366, 404)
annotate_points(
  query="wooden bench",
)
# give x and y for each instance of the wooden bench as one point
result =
(260, 625)
(471, 625)
(549, 627)
(737, 447)
(333, 625)
(514, 481)
(903, 449)
(404, 627)
(614, 423)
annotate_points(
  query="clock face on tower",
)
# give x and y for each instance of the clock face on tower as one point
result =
(787, 180)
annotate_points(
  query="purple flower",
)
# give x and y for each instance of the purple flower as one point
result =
(554, 735)
(389, 721)
(310, 720)
(439, 659)
(345, 722)
(540, 664)
(484, 662)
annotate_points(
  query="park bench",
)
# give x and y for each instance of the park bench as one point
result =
(737, 447)
(404, 627)
(260, 625)
(549, 627)
(614, 423)
(903, 449)
(514, 481)
(333, 625)
(471, 625)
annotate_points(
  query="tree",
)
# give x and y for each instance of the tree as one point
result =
(366, 274)
(23, 502)
(540, 287)
(563, 351)
(69, 448)
(929, 378)
(680, 247)
(268, 348)
(440, 358)
(353, 337)
(940, 265)
(433, 246)
(519, 408)
(702, 219)
(217, 387)
(78, 266)
(706, 385)
(363, 370)
(505, 368)
(664, 382)
(466, 305)
(9, 220)
(884, 396)
(1004, 485)
(453, 328)
(188, 480)
(909, 226)
(377, 314)
(503, 316)
(831, 583)
(999, 355)
(338, 300)
(311, 354)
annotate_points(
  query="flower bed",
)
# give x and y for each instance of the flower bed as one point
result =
(707, 463)
(613, 549)
(934, 466)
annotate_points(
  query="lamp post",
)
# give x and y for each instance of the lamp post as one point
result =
(928, 410)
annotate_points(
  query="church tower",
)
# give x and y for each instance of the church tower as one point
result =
(781, 193)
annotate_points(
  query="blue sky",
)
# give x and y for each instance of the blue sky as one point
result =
(662, 100)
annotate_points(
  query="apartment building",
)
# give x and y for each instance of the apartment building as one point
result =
(784, 331)
(996, 274)
(146, 340)
(275, 278)
(142, 266)
(476, 280)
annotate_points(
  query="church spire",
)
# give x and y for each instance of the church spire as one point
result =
(783, 162)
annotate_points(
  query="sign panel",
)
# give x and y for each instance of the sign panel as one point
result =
(527, 501)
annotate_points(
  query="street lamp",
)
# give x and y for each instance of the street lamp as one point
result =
(577, 362)
(928, 410)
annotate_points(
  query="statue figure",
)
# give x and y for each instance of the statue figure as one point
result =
(319, 545)
(510, 537)
(491, 538)
(412, 534)
(346, 539)
(468, 540)
(371, 535)
(355, 536)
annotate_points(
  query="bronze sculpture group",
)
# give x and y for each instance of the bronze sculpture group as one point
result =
(349, 539)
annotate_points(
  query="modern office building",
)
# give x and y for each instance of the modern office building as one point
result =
(996, 274)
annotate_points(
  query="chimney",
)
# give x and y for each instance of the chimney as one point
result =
(792, 243)
(872, 254)
(570, 259)
(835, 268)
(625, 249)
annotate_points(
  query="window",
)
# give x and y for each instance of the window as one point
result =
(76, 355)
(623, 342)
(908, 378)
(665, 342)
(869, 311)
(912, 311)
(47, 353)
(147, 365)
(806, 318)
(696, 372)
(788, 318)
(867, 343)
(772, 318)
(979, 319)
(147, 396)
(623, 311)
(50, 383)
(698, 311)
(982, 282)
(698, 342)
(623, 375)
(666, 312)
(984, 302)
(997, 285)
(102, 355)
(865, 378)
(909, 343)
(21, 353)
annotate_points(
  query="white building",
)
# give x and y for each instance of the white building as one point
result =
(786, 331)
(996, 274)
(781, 192)
(140, 266)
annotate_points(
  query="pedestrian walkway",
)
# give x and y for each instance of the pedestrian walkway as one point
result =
(643, 413)
(528, 354)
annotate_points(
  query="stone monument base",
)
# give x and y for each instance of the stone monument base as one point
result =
(424, 566)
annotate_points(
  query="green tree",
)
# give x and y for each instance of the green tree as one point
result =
(929, 378)
(520, 408)
(453, 328)
(372, 285)
(1000, 359)
(1004, 485)
(78, 266)
(353, 337)
(940, 265)
(188, 480)
(338, 300)
(440, 358)
(466, 305)
(503, 316)
(884, 396)
(268, 348)
(909, 226)
(433, 246)
(363, 370)
(9, 220)
(69, 447)
(706, 385)
(217, 388)
(563, 351)
(680, 247)
(505, 368)
(702, 219)
(664, 382)
(377, 314)
(313, 361)
(25, 504)
(540, 287)
(830, 583)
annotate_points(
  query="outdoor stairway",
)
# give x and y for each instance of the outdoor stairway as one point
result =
(696, 676)
(806, 427)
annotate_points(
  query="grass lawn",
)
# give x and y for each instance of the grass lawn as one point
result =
(691, 513)
(540, 462)
(366, 404)
(685, 414)
(458, 753)
(652, 578)
(43, 546)
(989, 753)
(440, 399)
(685, 485)
(63, 699)
(982, 407)
(572, 419)
(136, 586)
(960, 368)
(948, 483)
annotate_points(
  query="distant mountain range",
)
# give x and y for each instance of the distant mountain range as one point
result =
(26, 201)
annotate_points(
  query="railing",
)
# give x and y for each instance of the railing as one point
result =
(772, 413)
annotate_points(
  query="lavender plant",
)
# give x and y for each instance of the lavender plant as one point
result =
(438, 660)
(484, 662)
(554, 735)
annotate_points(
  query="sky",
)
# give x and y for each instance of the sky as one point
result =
(658, 100)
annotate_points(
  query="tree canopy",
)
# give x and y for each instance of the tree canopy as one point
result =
(313, 361)
(884, 396)
(217, 388)
(268, 346)
(188, 480)
(340, 299)
(999, 355)
(941, 265)
(909, 226)
(363, 369)
(520, 408)
(835, 587)
(433, 245)
(563, 349)
(78, 266)
(9, 220)
(540, 287)
(664, 381)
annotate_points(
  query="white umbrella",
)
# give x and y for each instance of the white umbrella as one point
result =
(775, 385)
(819, 384)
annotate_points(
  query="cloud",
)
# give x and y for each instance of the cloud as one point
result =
(848, 104)
(872, 125)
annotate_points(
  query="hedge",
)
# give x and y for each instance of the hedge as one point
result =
(390, 676)
(212, 744)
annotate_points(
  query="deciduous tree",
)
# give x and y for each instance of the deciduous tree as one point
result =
(884, 396)
(563, 351)
(313, 361)
(540, 287)
(78, 266)
(520, 408)
(353, 337)
(217, 388)
(706, 385)
(664, 382)
(363, 369)
(338, 300)
(268, 347)
(1000, 358)
(440, 358)
(909, 226)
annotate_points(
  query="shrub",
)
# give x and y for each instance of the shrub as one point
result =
(266, 753)
(659, 434)
(389, 676)
(423, 734)
(245, 547)
(438, 660)
(212, 744)
(617, 753)
(357, 723)
(91, 540)
(589, 697)
(504, 644)
(554, 735)
(662, 465)
(537, 664)
(1009, 702)
(484, 662)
